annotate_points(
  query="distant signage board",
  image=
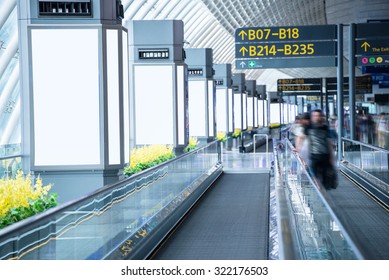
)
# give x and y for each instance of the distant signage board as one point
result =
(299, 86)
(363, 84)
(298, 81)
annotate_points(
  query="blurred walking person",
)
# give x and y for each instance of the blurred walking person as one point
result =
(321, 153)
(301, 143)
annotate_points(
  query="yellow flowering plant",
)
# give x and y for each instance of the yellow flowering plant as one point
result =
(192, 144)
(21, 198)
(145, 157)
(236, 133)
(221, 136)
(274, 125)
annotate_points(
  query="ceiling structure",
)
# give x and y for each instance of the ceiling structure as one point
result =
(207, 24)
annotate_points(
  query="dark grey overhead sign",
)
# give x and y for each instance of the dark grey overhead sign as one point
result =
(371, 30)
(363, 84)
(284, 47)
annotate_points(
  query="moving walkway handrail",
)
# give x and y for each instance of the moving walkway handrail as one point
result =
(332, 214)
(10, 156)
(365, 145)
(15, 229)
(288, 248)
(328, 207)
(377, 186)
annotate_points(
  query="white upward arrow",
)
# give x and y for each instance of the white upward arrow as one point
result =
(243, 64)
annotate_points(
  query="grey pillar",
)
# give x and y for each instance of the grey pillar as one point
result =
(326, 95)
(200, 62)
(351, 81)
(251, 90)
(73, 92)
(159, 91)
(339, 98)
(321, 95)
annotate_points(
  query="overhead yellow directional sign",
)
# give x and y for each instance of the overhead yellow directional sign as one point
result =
(285, 33)
(372, 47)
(266, 34)
(326, 48)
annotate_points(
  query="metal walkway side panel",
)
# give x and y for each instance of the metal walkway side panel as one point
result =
(230, 222)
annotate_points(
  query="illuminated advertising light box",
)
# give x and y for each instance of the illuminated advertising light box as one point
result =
(222, 109)
(238, 111)
(266, 106)
(126, 100)
(275, 113)
(201, 93)
(261, 112)
(159, 89)
(250, 112)
(182, 105)
(230, 111)
(148, 111)
(255, 111)
(211, 108)
(285, 113)
(244, 110)
(292, 112)
(55, 101)
(75, 94)
(224, 103)
(51, 99)
(198, 112)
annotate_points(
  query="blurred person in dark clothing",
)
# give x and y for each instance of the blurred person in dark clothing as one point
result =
(320, 150)
(301, 144)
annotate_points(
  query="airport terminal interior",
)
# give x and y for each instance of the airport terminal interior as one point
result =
(194, 129)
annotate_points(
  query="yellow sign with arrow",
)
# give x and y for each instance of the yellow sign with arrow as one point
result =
(377, 47)
(365, 46)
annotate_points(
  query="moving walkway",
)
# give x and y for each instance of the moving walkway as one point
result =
(247, 206)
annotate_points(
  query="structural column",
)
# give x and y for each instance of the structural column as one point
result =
(202, 94)
(339, 97)
(351, 82)
(73, 92)
(158, 92)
